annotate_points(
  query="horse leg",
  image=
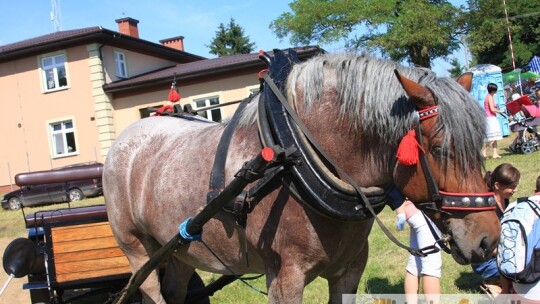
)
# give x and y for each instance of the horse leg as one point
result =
(347, 282)
(175, 280)
(287, 286)
(138, 255)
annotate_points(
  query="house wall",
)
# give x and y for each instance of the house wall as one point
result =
(27, 110)
(136, 63)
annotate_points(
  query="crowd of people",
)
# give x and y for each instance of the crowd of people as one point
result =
(528, 87)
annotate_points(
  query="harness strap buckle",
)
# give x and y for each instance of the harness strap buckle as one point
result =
(423, 252)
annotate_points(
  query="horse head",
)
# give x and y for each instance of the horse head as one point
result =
(449, 189)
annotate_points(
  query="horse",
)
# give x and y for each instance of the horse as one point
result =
(358, 109)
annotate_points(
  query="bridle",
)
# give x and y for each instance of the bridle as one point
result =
(442, 202)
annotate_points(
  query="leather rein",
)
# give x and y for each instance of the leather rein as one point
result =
(442, 202)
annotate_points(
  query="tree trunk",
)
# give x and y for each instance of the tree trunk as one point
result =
(420, 56)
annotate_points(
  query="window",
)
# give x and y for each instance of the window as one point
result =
(63, 138)
(148, 111)
(54, 72)
(120, 62)
(212, 114)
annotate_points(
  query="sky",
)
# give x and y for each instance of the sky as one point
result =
(197, 21)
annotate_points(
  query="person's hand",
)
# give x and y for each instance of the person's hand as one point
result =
(400, 222)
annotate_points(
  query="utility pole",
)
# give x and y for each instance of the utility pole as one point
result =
(511, 48)
(56, 16)
(509, 35)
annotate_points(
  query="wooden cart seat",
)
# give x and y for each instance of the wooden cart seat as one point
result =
(86, 252)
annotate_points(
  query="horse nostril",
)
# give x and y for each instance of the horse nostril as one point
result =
(486, 248)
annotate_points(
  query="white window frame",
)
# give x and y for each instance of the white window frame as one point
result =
(66, 134)
(120, 64)
(207, 102)
(51, 72)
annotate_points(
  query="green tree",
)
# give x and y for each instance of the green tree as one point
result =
(456, 68)
(488, 31)
(230, 40)
(417, 31)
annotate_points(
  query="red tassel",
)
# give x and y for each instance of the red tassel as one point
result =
(407, 153)
(164, 109)
(173, 95)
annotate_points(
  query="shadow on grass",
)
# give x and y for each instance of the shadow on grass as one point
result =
(468, 282)
(383, 286)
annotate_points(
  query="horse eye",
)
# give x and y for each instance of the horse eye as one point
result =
(437, 151)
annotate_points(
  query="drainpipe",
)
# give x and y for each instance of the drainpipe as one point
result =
(101, 59)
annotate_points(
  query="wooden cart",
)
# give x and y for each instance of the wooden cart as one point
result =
(77, 254)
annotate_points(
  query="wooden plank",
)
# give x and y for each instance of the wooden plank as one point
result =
(90, 265)
(84, 245)
(59, 228)
(102, 253)
(68, 277)
(86, 251)
(81, 232)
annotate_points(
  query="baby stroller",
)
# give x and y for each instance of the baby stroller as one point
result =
(527, 117)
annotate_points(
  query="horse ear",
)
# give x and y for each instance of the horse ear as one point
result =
(465, 81)
(419, 94)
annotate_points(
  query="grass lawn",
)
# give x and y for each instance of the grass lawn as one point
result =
(386, 264)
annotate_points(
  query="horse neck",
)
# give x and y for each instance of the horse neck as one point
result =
(369, 163)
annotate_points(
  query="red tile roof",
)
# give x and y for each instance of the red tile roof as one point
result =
(202, 68)
(63, 39)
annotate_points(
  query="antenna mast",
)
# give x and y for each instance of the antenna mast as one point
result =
(56, 16)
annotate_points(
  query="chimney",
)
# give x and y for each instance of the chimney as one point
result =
(175, 43)
(128, 26)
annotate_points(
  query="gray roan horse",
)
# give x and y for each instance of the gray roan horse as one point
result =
(358, 109)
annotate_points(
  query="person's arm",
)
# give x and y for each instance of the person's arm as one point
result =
(400, 220)
(492, 107)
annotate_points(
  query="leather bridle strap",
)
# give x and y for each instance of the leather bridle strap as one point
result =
(438, 240)
(421, 252)
(433, 190)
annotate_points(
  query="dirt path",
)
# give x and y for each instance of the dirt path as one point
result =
(14, 294)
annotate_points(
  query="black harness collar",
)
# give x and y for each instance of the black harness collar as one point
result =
(314, 178)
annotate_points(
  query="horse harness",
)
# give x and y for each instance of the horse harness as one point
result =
(306, 174)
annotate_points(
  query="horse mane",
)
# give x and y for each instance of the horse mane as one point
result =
(374, 102)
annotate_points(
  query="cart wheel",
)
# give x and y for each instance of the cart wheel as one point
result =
(528, 147)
